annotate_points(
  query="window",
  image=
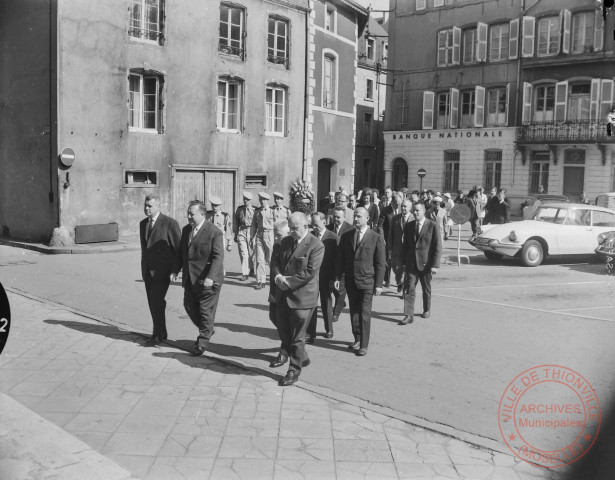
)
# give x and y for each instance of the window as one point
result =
(548, 36)
(496, 106)
(255, 181)
(578, 101)
(369, 89)
(229, 104)
(449, 46)
(385, 52)
(330, 20)
(499, 42)
(277, 41)
(140, 178)
(493, 168)
(231, 31)
(275, 110)
(539, 171)
(583, 32)
(329, 84)
(145, 20)
(367, 127)
(468, 104)
(451, 170)
(443, 109)
(369, 48)
(421, 4)
(544, 103)
(144, 101)
(469, 45)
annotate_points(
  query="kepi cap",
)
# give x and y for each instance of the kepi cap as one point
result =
(215, 200)
(437, 199)
(264, 195)
(247, 195)
(278, 195)
(447, 195)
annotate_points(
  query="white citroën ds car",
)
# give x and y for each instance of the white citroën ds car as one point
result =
(553, 229)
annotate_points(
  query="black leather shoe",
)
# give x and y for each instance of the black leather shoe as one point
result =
(259, 286)
(426, 314)
(334, 318)
(279, 361)
(329, 335)
(354, 346)
(244, 278)
(361, 352)
(406, 320)
(197, 352)
(309, 339)
(306, 363)
(153, 341)
(400, 287)
(290, 379)
(386, 284)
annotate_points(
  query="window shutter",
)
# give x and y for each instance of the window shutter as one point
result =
(528, 36)
(507, 102)
(442, 41)
(454, 107)
(566, 20)
(513, 45)
(598, 31)
(594, 99)
(479, 110)
(456, 45)
(428, 102)
(527, 102)
(561, 100)
(481, 41)
(606, 99)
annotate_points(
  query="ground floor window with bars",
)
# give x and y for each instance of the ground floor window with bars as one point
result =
(451, 170)
(493, 168)
(539, 172)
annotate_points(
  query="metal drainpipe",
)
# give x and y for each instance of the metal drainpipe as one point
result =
(306, 94)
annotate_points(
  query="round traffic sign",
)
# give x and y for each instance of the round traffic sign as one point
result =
(67, 157)
(421, 172)
(460, 214)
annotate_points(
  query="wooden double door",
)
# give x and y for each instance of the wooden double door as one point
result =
(191, 185)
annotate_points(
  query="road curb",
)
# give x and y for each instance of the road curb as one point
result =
(476, 440)
(73, 250)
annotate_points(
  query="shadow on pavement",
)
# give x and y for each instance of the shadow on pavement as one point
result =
(211, 364)
(270, 332)
(258, 306)
(100, 329)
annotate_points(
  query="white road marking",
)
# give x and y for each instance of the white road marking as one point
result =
(583, 308)
(526, 285)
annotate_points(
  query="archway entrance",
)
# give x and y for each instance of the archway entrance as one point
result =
(400, 174)
(325, 177)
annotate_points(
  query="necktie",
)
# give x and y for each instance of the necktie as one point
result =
(416, 233)
(149, 229)
(192, 234)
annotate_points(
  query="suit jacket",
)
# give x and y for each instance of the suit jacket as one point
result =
(424, 253)
(385, 220)
(204, 257)
(373, 214)
(395, 245)
(439, 218)
(364, 264)
(475, 209)
(302, 265)
(327, 269)
(159, 251)
(346, 227)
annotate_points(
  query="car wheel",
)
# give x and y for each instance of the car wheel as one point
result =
(493, 256)
(532, 254)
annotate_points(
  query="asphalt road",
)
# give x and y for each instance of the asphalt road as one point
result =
(489, 323)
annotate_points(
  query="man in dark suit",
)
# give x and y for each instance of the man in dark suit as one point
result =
(395, 242)
(295, 268)
(340, 226)
(326, 276)
(280, 231)
(361, 263)
(384, 227)
(201, 258)
(159, 243)
(423, 247)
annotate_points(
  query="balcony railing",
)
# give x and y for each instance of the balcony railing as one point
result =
(230, 50)
(579, 131)
(278, 60)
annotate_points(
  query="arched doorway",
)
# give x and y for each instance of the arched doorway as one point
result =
(400, 174)
(326, 171)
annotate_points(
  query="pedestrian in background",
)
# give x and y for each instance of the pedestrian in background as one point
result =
(475, 211)
(437, 214)
(160, 236)
(460, 199)
(295, 268)
(384, 227)
(201, 260)
(500, 209)
(340, 226)
(387, 199)
(395, 242)
(448, 204)
(372, 209)
(481, 199)
(422, 248)
(242, 225)
(220, 219)
(262, 238)
(280, 231)
(352, 204)
(341, 201)
(327, 202)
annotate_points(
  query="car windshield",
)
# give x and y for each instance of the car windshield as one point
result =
(549, 215)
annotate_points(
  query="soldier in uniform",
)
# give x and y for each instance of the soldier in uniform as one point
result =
(220, 219)
(242, 226)
(280, 212)
(262, 238)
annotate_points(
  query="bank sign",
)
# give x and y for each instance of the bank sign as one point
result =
(449, 134)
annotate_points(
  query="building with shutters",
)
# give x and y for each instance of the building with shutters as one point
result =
(500, 93)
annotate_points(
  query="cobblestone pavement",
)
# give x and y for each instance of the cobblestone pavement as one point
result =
(162, 414)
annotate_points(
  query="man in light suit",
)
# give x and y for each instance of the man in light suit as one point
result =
(423, 247)
(340, 226)
(361, 261)
(295, 268)
(159, 243)
(395, 245)
(201, 258)
(326, 276)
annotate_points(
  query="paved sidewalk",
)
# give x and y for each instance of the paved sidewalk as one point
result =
(161, 414)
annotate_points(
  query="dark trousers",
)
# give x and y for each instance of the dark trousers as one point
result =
(292, 325)
(412, 278)
(326, 307)
(340, 298)
(387, 272)
(360, 304)
(201, 304)
(273, 316)
(156, 289)
(399, 274)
